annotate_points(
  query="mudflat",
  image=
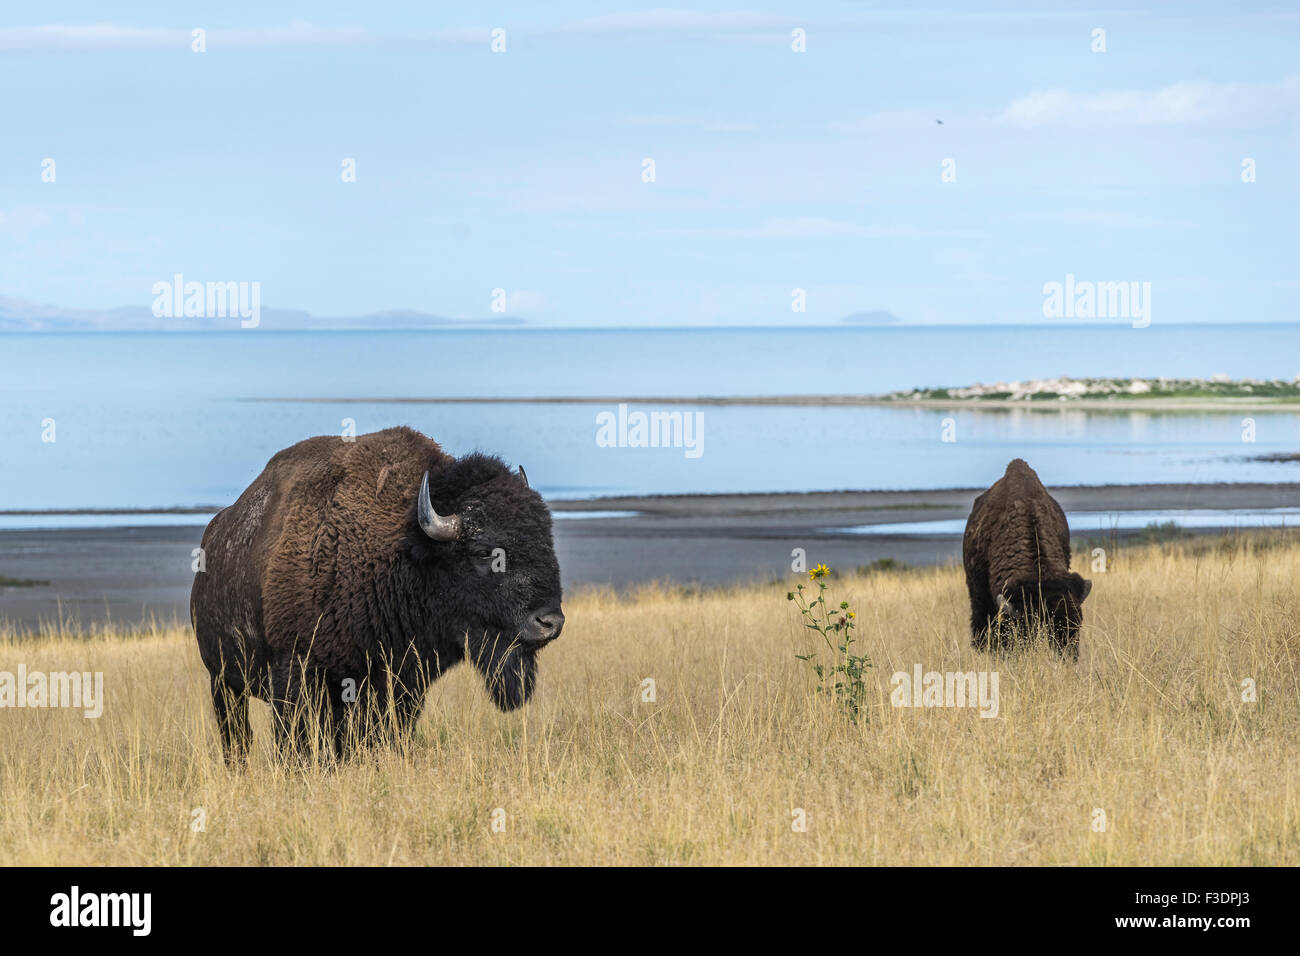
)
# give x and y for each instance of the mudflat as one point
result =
(129, 575)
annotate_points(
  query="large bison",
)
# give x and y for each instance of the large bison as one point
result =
(350, 574)
(1016, 551)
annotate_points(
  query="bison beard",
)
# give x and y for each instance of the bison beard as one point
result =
(1016, 552)
(350, 575)
(509, 670)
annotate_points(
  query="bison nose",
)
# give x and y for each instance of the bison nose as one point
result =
(547, 624)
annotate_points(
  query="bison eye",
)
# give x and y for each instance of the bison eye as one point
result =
(482, 554)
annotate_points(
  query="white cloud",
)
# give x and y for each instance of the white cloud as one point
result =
(881, 122)
(61, 38)
(525, 300)
(93, 36)
(25, 217)
(656, 119)
(298, 33)
(668, 120)
(811, 227)
(738, 24)
(1100, 218)
(678, 21)
(80, 38)
(1184, 103)
(742, 22)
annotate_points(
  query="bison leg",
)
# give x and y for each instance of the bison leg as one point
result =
(398, 721)
(299, 727)
(983, 613)
(381, 716)
(231, 705)
(297, 711)
(345, 725)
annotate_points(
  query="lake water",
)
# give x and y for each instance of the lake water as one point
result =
(1100, 522)
(161, 420)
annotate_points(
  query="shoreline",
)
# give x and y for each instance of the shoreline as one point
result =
(1250, 494)
(829, 401)
(129, 574)
(1135, 497)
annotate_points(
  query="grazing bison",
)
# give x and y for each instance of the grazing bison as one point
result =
(1017, 556)
(350, 575)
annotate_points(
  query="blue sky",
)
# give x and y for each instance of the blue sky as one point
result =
(775, 170)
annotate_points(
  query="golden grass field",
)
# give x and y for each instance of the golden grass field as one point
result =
(1149, 726)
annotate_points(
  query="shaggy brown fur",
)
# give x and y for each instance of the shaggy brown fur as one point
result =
(1016, 551)
(322, 587)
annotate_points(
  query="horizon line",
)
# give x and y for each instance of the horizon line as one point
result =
(489, 326)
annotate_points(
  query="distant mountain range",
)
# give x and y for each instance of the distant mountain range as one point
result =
(17, 315)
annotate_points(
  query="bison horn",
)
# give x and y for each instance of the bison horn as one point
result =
(523, 476)
(433, 524)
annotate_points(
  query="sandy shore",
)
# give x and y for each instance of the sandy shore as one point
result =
(127, 574)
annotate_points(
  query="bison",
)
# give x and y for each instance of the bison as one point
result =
(1016, 552)
(350, 574)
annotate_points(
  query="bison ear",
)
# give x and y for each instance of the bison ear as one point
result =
(523, 476)
(1081, 586)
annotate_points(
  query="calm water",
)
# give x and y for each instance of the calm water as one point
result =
(154, 420)
(1100, 522)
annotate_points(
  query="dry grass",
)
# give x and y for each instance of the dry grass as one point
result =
(1149, 725)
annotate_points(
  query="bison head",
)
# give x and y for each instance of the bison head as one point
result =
(1056, 603)
(483, 539)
